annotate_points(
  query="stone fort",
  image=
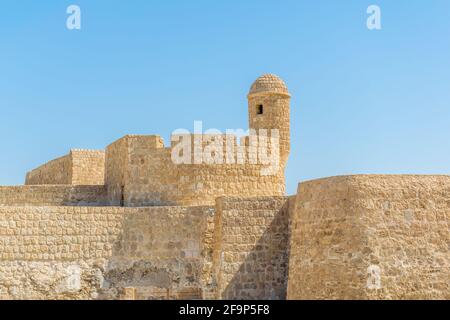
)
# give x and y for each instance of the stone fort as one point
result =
(129, 223)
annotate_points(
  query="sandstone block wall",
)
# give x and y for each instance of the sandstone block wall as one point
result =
(79, 167)
(58, 171)
(140, 172)
(116, 170)
(108, 252)
(53, 195)
(371, 237)
(88, 167)
(351, 237)
(251, 247)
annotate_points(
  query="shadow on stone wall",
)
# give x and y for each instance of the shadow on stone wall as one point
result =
(263, 274)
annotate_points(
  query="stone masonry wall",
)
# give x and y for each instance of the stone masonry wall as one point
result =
(56, 195)
(58, 171)
(116, 170)
(105, 253)
(251, 247)
(79, 167)
(371, 237)
(140, 172)
(88, 167)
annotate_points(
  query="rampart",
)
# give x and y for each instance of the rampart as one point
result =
(53, 195)
(350, 237)
(79, 167)
(105, 253)
(371, 237)
(140, 171)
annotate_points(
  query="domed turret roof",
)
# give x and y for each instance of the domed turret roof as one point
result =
(269, 83)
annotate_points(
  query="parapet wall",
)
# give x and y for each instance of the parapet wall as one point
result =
(53, 195)
(105, 253)
(140, 171)
(58, 171)
(371, 237)
(79, 167)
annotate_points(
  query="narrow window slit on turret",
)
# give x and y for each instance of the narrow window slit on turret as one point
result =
(260, 109)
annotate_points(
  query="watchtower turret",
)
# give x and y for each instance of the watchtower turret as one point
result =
(269, 108)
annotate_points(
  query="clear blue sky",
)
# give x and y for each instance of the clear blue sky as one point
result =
(363, 101)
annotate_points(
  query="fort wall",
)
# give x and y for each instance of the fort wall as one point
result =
(105, 253)
(79, 167)
(140, 171)
(88, 167)
(135, 222)
(53, 195)
(58, 171)
(64, 252)
(251, 247)
(276, 115)
(371, 237)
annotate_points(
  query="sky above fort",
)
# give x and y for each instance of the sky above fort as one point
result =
(363, 101)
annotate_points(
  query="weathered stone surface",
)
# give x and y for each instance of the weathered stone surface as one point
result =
(97, 252)
(371, 237)
(251, 247)
(79, 167)
(88, 225)
(53, 195)
(138, 170)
